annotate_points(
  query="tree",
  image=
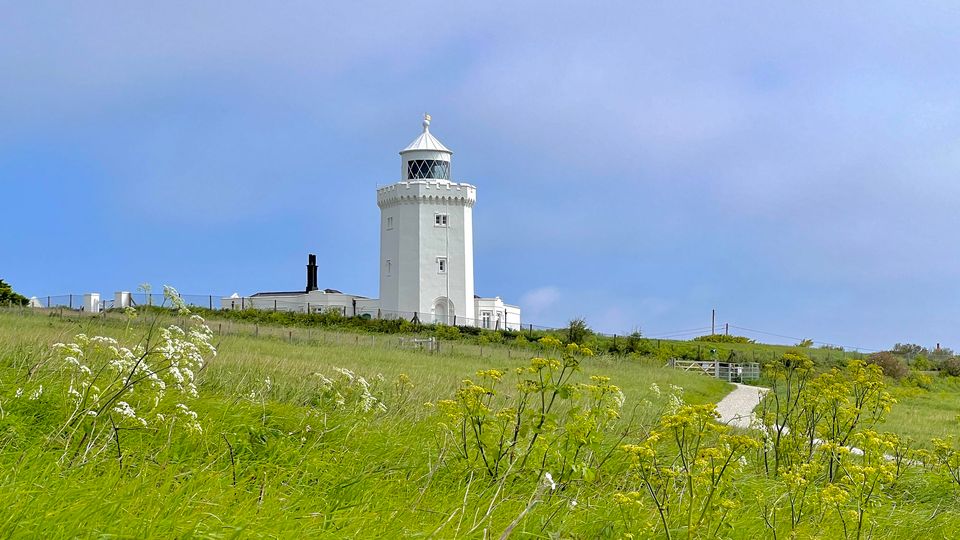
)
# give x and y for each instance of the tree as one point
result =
(578, 331)
(908, 350)
(951, 366)
(9, 297)
(890, 364)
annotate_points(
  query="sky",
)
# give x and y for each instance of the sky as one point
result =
(792, 165)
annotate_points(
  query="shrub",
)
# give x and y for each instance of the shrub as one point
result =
(447, 332)
(890, 364)
(951, 367)
(9, 297)
(919, 380)
(922, 363)
(578, 331)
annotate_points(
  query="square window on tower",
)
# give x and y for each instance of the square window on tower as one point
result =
(440, 220)
(441, 265)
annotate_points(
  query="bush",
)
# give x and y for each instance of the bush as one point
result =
(447, 332)
(890, 364)
(578, 331)
(9, 297)
(951, 367)
(922, 363)
(919, 380)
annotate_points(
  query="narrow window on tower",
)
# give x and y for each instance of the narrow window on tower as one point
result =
(389, 267)
(441, 265)
(440, 220)
(389, 222)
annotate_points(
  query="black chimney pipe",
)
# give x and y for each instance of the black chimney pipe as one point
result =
(312, 273)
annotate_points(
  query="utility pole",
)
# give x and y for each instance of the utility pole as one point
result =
(713, 322)
(726, 330)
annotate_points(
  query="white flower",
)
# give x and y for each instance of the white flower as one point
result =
(548, 481)
(18, 393)
(36, 393)
(124, 409)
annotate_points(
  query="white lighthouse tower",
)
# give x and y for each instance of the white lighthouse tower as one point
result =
(426, 237)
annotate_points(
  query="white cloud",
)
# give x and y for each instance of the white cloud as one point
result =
(537, 302)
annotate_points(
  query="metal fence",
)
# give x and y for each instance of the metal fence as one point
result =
(352, 307)
(365, 308)
(725, 371)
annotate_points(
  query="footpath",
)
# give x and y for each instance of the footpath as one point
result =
(736, 408)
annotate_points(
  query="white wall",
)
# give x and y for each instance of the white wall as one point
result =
(508, 315)
(415, 242)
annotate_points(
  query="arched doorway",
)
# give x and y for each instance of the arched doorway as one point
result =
(443, 311)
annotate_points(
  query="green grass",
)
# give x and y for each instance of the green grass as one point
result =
(926, 414)
(300, 468)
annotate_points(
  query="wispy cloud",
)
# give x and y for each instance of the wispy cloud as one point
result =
(539, 302)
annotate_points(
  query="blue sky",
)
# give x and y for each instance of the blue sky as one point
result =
(637, 163)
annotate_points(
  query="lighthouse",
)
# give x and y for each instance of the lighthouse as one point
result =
(426, 253)
(426, 236)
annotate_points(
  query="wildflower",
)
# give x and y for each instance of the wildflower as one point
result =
(548, 481)
(124, 409)
(35, 395)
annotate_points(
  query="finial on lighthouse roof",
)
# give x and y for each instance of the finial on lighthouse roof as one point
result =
(426, 141)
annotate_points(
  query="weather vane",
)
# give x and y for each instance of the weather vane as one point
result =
(426, 121)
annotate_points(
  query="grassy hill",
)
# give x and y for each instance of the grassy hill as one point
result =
(289, 442)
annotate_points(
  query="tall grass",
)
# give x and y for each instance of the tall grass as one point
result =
(278, 459)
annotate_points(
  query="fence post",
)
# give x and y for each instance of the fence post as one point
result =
(256, 330)
(454, 319)
(211, 302)
(48, 302)
(71, 301)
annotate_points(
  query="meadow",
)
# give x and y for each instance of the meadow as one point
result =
(339, 435)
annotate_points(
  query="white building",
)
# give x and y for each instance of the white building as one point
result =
(426, 252)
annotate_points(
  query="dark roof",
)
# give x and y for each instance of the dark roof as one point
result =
(294, 293)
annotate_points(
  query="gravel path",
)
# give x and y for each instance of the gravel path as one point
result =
(736, 408)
